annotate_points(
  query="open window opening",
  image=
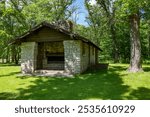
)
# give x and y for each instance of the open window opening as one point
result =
(51, 56)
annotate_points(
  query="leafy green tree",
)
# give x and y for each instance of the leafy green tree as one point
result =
(18, 16)
(127, 26)
(133, 10)
(102, 17)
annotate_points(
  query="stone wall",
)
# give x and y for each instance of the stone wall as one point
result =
(84, 57)
(79, 56)
(72, 50)
(28, 57)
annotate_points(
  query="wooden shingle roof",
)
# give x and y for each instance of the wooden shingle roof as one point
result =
(54, 27)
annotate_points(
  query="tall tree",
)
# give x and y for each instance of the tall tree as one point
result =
(47, 10)
(134, 10)
(105, 9)
(18, 16)
(135, 60)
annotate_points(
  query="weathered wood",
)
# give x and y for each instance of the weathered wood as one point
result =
(45, 35)
(96, 56)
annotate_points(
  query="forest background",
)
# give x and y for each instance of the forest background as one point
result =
(121, 28)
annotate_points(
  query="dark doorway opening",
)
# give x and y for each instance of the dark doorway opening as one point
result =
(56, 59)
(50, 56)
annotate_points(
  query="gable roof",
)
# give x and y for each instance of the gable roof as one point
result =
(54, 27)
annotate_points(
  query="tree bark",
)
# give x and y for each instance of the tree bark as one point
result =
(135, 57)
(115, 45)
(2, 59)
(7, 55)
(13, 53)
(149, 45)
(17, 57)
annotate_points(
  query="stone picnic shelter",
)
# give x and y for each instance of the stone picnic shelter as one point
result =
(49, 47)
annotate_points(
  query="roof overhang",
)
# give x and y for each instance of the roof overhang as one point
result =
(74, 36)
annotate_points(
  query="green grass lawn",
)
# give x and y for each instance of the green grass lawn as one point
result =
(114, 83)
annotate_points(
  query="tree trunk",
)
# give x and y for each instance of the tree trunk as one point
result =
(149, 45)
(2, 60)
(7, 55)
(113, 35)
(115, 45)
(13, 53)
(17, 57)
(135, 57)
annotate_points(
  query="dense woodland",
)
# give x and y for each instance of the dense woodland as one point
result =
(120, 27)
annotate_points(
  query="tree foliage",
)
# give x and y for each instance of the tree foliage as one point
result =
(120, 34)
(18, 16)
(111, 25)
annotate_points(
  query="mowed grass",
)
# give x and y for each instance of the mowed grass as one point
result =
(112, 84)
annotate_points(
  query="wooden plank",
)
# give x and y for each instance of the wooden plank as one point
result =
(46, 34)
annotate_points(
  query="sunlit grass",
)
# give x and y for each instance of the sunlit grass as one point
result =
(10, 83)
(114, 83)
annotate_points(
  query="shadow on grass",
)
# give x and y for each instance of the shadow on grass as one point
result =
(146, 69)
(94, 85)
(7, 96)
(10, 74)
(8, 64)
(141, 93)
(124, 68)
(90, 85)
(117, 68)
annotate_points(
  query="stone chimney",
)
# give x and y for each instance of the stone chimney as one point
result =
(65, 24)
